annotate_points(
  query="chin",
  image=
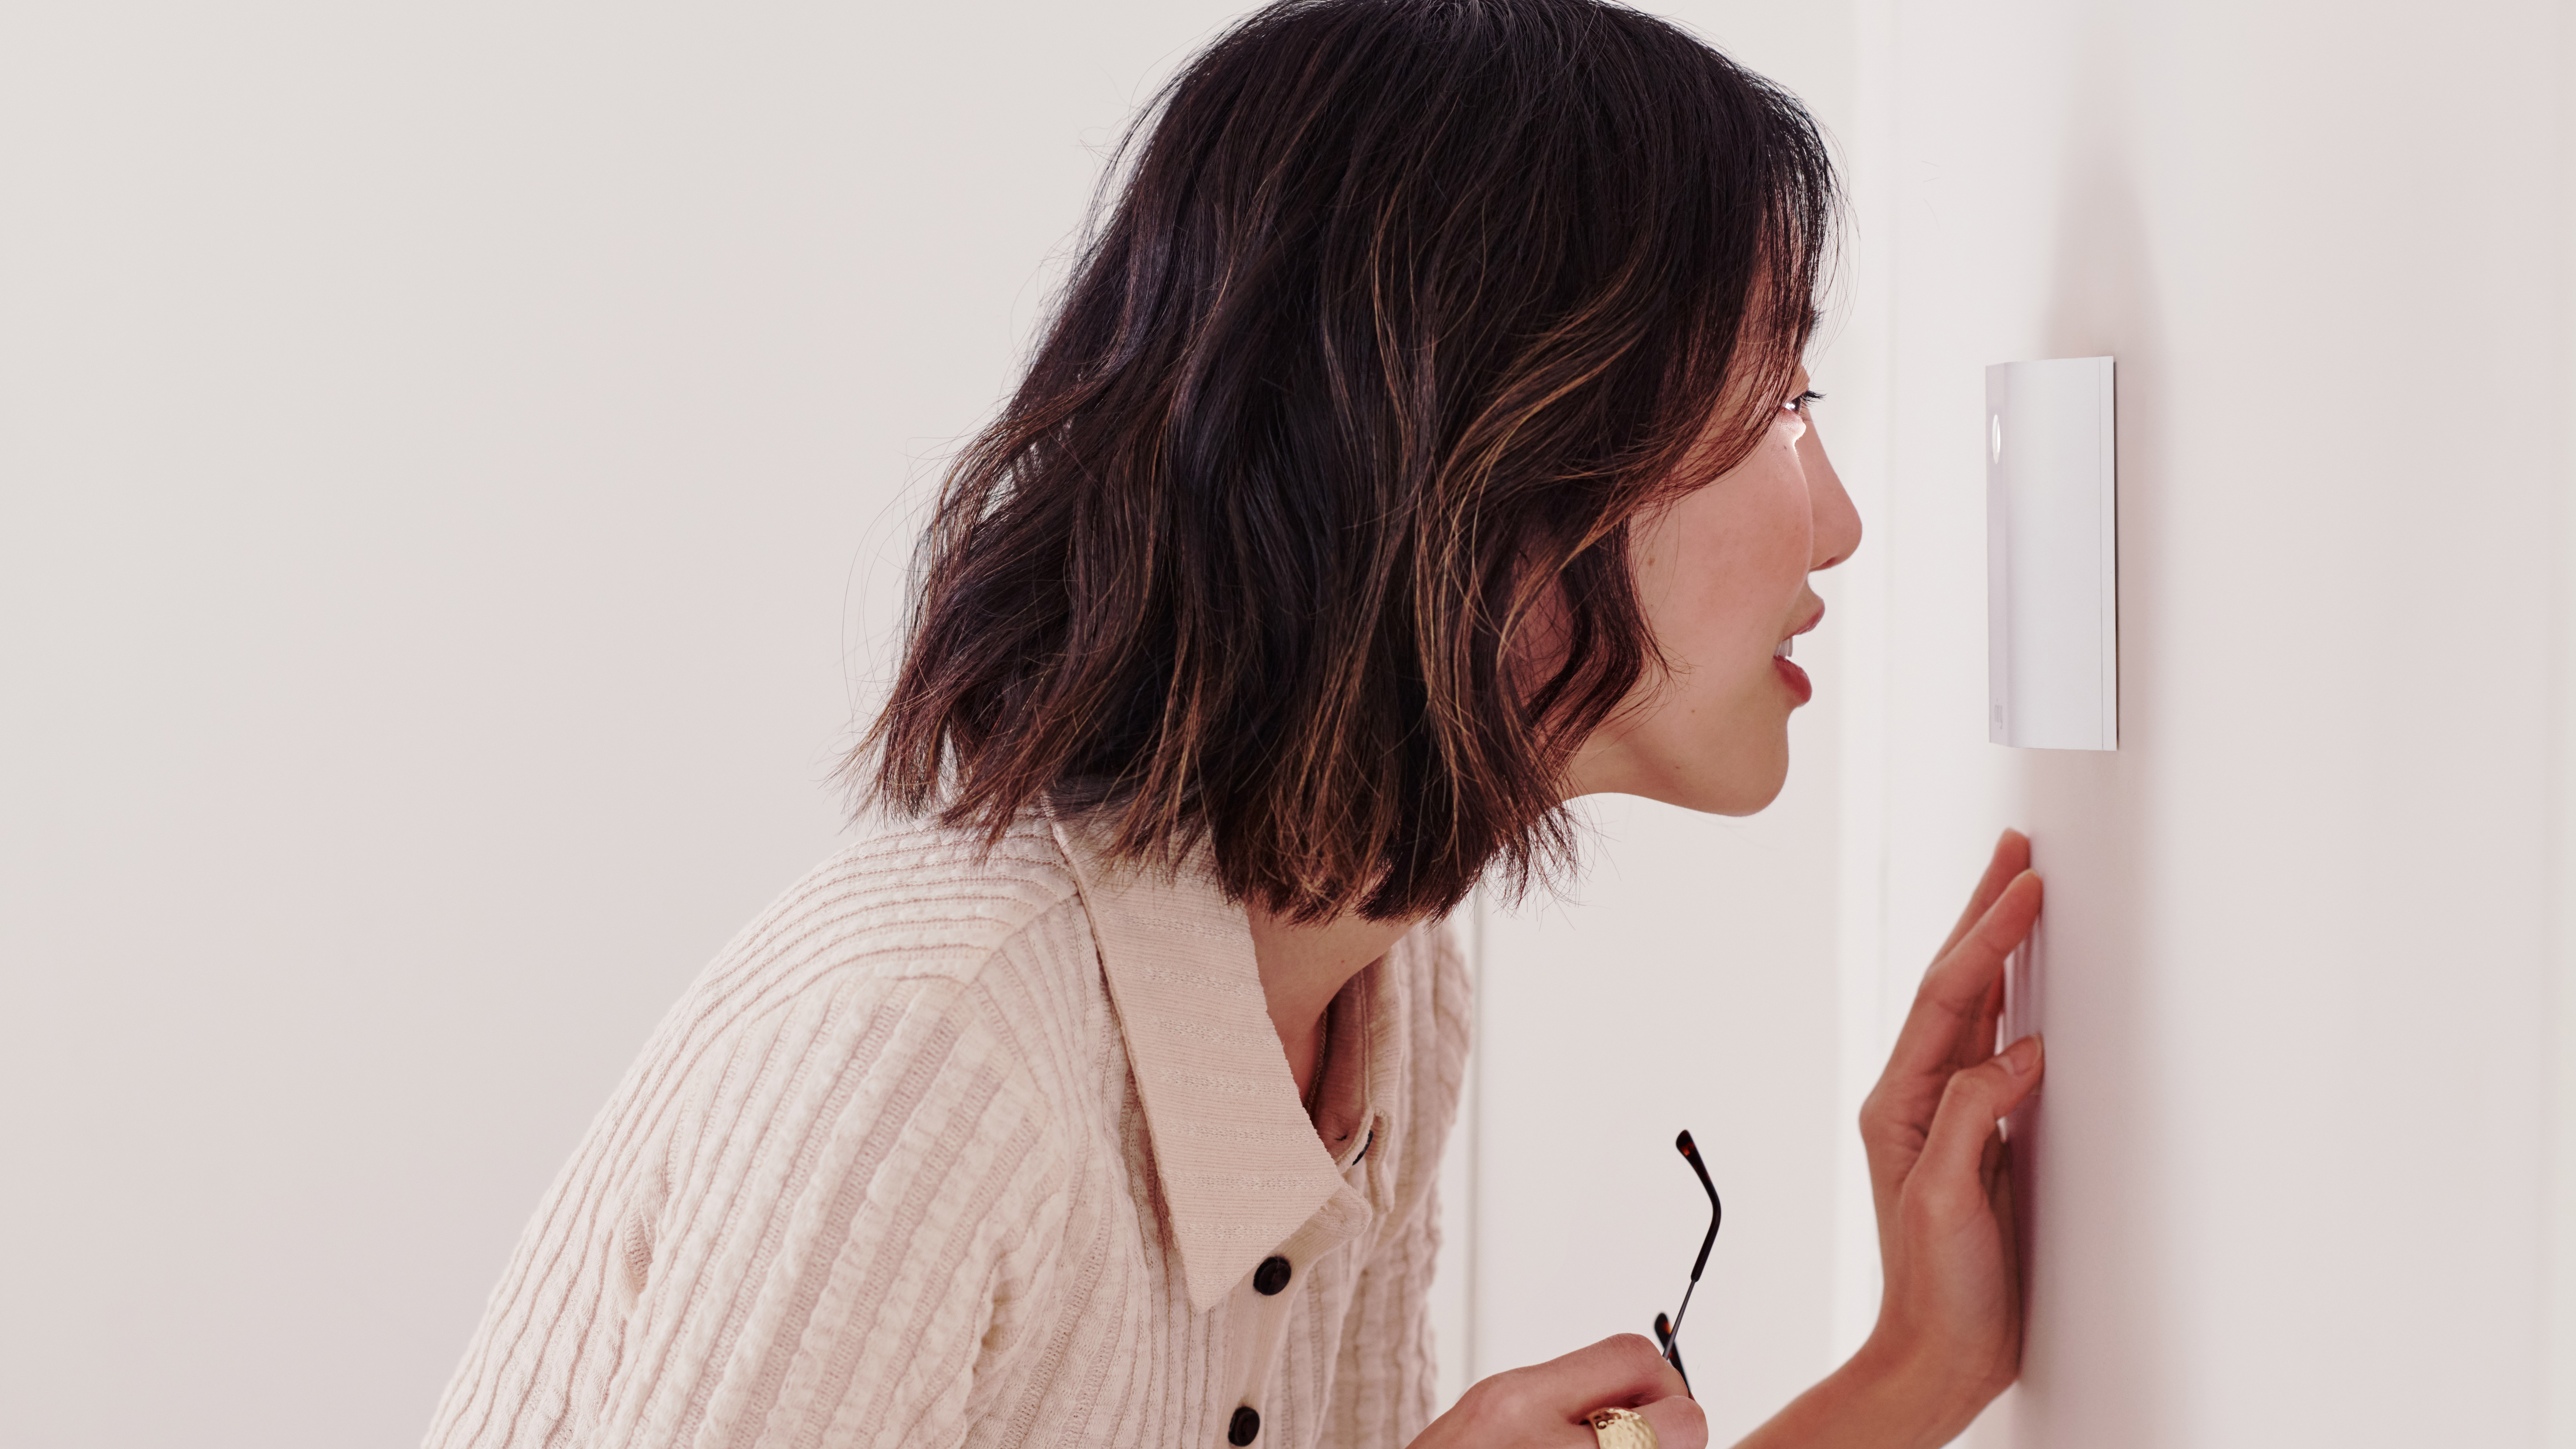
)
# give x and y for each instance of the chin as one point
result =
(1742, 802)
(1745, 789)
(1737, 771)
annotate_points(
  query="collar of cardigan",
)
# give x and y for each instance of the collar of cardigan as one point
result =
(1243, 1168)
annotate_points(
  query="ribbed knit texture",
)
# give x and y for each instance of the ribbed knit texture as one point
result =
(883, 1178)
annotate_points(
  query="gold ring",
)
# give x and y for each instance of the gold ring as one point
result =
(1621, 1429)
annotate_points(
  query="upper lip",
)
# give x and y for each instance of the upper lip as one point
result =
(1813, 620)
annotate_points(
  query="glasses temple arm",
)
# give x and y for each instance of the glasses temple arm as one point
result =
(1716, 1209)
(1716, 1214)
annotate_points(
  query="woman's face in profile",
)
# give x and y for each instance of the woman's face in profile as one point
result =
(1722, 574)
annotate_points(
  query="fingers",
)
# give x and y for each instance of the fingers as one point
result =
(1939, 1034)
(1625, 1370)
(1964, 1127)
(1544, 1406)
(2011, 858)
(1952, 1021)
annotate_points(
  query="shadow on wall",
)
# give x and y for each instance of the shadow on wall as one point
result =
(2085, 1170)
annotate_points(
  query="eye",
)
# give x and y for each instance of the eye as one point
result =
(1799, 403)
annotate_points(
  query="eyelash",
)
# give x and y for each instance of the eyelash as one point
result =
(1799, 403)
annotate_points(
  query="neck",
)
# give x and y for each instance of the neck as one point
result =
(1303, 967)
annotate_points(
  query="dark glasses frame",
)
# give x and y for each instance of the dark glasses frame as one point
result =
(1668, 1331)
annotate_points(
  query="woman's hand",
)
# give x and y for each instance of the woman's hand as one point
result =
(1949, 1318)
(1948, 1337)
(1542, 1406)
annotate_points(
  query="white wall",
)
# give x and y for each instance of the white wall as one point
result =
(2289, 1158)
(2559, 1341)
(2288, 1171)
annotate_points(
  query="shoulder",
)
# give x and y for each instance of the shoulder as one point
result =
(915, 970)
(913, 901)
(905, 947)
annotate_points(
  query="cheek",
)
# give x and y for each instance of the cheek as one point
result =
(1732, 578)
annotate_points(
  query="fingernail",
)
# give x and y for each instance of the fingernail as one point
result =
(2022, 1055)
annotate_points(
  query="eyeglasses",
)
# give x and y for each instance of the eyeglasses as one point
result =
(1668, 1331)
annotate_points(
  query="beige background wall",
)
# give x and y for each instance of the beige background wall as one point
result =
(453, 462)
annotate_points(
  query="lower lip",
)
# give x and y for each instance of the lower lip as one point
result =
(1795, 678)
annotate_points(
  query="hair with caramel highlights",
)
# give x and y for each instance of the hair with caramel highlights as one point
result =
(1403, 311)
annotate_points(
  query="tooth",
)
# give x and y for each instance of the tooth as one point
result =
(1784, 651)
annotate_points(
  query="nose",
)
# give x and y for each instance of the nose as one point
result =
(1837, 523)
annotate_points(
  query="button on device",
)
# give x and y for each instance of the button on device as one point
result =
(1269, 1278)
(1247, 1422)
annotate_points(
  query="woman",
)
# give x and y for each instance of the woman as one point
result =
(1422, 444)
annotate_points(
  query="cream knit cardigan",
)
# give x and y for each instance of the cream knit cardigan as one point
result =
(956, 1148)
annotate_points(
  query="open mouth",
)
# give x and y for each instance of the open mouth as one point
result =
(1801, 688)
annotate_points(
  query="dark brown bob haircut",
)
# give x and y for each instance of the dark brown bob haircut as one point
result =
(1403, 311)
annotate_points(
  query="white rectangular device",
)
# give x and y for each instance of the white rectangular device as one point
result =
(2052, 556)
